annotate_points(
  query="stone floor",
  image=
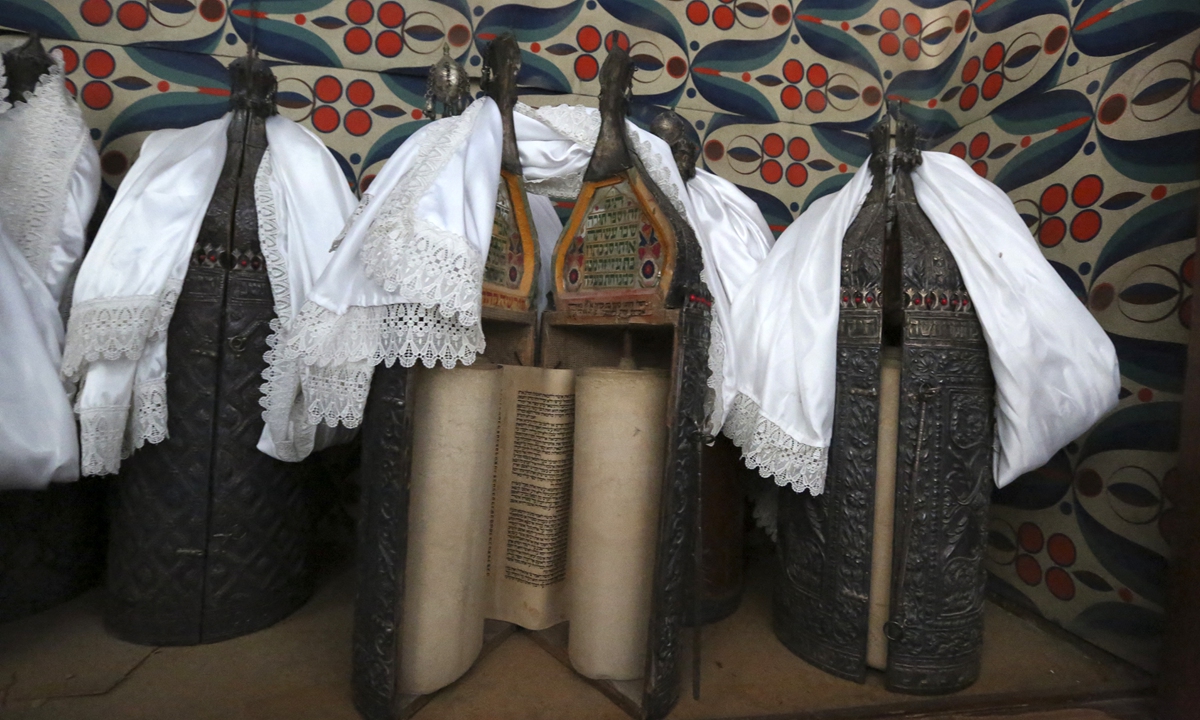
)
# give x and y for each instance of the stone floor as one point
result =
(60, 665)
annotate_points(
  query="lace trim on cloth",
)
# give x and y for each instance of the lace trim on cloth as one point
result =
(116, 327)
(352, 220)
(281, 376)
(772, 451)
(428, 264)
(101, 438)
(714, 402)
(340, 352)
(148, 418)
(38, 149)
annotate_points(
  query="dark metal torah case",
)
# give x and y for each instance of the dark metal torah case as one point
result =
(210, 537)
(899, 288)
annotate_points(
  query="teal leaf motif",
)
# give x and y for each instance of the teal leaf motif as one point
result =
(199, 71)
(37, 16)
(326, 22)
(649, 15)
(529, 24)
(388, 111)
(166, 110)
(131, 82)
(1092, 580)
(1169, 220)
(292, 100)
(1120, 201)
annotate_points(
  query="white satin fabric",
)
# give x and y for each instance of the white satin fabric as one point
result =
(49, 178)
(556, 145)
(548, 227)
(49, 183)
(38, 440)
(735, 239)
(129, 282)
(1055, 367)
(1056, 370)
(404, 283)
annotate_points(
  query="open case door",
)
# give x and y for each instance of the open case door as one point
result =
(509, 319)
(512, 266)
(627, 285)
(627, 290)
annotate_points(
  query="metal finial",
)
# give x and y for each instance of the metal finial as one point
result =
(449, 90)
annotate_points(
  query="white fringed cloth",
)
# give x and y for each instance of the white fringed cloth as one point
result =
(1055, 368)
(49, 183)
(127, 286)
(405, 283)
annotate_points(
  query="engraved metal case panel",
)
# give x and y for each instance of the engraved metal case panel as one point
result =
(900, 284)
(210, 536)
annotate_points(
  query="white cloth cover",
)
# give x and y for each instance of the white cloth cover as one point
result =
(556, 145)
(548, 227)
(49, 177)
(734, 238)
(1055, 368)
(130, 280)
(49, 183)
(38, 442)
(405, 280)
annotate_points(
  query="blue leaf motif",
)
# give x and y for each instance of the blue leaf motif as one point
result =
(199, 71)
(1042, 158)
(538, 72)
(1157, 364)
(285, 40)
(1169, 220)
(733, 95)
(1163, 159)
(739, 55)
(168, 110)
(36, 16)
(647, 14)
(836, 45)
(1138, 567)
(529, 24)
(1152, 426)
(1002, 14)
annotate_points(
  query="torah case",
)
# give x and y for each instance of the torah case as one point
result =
(210, 536)
(51, 540)
(899, 286)
(658, 315)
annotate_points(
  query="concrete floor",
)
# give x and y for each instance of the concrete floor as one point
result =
(60, 665)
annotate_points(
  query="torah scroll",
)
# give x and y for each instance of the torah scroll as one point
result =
(527, 564)
(885, 504)
(620, 442)
(446, 593)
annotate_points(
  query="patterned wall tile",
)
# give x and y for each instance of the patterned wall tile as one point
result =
(1087, 112)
